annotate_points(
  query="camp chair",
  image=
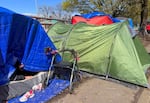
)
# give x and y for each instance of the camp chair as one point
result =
(67, 70)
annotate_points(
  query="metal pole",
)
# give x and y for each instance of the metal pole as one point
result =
(36, 5)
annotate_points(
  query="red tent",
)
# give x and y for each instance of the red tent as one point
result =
(97, 20)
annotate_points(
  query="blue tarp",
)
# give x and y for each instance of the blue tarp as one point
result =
(93, 14)
(22, 38)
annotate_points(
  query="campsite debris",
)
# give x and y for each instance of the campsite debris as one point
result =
(37, 87)
(29, 94)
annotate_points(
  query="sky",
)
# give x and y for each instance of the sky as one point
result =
(27, 6)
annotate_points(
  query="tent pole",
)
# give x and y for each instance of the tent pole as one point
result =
(110, 58)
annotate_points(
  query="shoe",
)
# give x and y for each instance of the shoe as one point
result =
(29, 94)
(37, 87)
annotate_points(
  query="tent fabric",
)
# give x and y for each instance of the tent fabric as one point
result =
(100, 18)
(106, 50)
(97, 20)
(22, 38)
(142, 53)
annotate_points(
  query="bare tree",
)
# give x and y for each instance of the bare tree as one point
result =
(55, 12)
(45, 11)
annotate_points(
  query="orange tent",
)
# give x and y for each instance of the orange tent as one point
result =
(97, 20)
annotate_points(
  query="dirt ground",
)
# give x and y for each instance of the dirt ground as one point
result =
(97, 90)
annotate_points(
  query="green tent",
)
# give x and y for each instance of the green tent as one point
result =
(106, 50)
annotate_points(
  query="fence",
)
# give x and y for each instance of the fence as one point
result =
(47, 22)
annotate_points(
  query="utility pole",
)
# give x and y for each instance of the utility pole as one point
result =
(36, 5)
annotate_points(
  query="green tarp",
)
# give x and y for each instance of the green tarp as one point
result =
(106, 50)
